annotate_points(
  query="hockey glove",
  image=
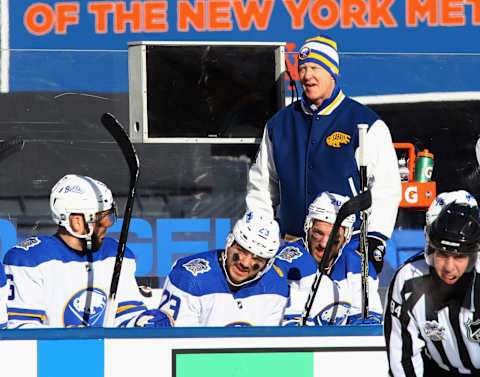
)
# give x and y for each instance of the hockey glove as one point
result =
(154, 318)
(376, 252)
(372, 319)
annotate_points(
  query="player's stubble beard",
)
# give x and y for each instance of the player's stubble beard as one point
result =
(96, 243)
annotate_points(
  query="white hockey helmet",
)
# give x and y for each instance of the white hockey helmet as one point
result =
(77, 194)
(259, 234)
(445, 198)
(325, 207)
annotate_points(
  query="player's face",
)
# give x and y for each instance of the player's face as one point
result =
(104, 220)
(450, 267)
(317, 82)
(318, 237)
(242, 264)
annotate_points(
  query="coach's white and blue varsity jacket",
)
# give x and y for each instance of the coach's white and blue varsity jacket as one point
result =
(305, 151)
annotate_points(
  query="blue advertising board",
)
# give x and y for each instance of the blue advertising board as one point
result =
(431, 30)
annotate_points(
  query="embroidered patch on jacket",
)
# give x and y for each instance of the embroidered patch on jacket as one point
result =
(337, 138)
(289, 254)
(28, 243)
(473, 330)
(434, 330)
(197, 266)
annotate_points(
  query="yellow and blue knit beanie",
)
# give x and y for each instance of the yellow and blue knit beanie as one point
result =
(321, 50)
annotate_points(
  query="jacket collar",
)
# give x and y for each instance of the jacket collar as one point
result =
(327, 107)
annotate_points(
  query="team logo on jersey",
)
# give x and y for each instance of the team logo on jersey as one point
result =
(337, 138)
(434, 331)
(333, 314)
(473, 330)
(197, 266)
(289, 254)
(85, 308)
(28, 243)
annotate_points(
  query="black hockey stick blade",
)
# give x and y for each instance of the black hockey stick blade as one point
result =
(357, 204)
(114, 127)
(118, 133)
(10, 146)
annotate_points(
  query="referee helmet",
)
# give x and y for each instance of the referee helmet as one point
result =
(456, 230)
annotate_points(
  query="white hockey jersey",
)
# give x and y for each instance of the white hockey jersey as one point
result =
(3, 298)
(52, 285)
(332, 303)
(339, 297)
(196, 293)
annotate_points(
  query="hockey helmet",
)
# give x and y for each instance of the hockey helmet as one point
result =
(258, 233)
(325, 208)
(456, 230)
(77, 194)
(445, 198)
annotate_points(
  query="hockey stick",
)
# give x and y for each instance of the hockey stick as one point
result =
(358, 203)
(128, 151)
(362, 133)
(10, 146)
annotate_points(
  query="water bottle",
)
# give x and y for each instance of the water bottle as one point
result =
(424, 166)
(403, 169)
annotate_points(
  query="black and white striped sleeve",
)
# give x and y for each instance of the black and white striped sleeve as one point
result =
(402, 336)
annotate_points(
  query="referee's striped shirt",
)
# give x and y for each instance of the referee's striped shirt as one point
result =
(426, 334)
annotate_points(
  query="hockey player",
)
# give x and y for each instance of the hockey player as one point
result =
(236, 286)
(432, 318)
(63, 280)
(338, 300)
(3, 298)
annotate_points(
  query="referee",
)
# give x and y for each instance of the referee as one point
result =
(432, 316)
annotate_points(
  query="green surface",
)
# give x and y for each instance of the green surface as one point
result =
(268, 364)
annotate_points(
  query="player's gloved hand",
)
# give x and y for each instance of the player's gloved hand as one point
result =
(376, 252)
(154, 318)
(372, 319)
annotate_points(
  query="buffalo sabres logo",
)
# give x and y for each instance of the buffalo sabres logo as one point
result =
(85, 308)
(337, 138)
(289, 254)
(28, 243)
(333, 314)
(434, 330)
(304, 52)
(377, 255)
(473, 330)
(197, 266)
